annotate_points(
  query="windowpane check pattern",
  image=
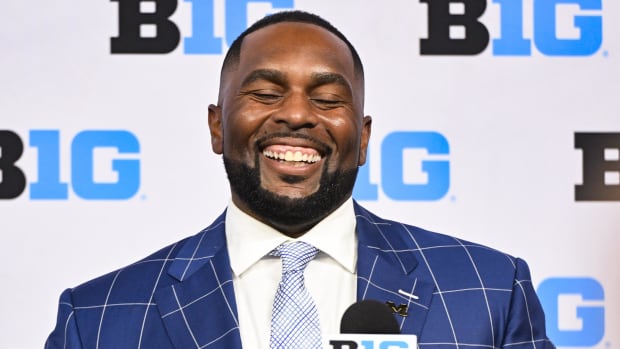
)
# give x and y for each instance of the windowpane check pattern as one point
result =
(294, 320)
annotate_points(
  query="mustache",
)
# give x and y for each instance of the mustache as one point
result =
(322, 146)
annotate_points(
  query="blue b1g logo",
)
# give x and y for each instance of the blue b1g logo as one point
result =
(49, 185)
(576, 323)
(442, 18)
(393, 161)
(372, 341)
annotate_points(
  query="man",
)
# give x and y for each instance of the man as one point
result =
(289, 123)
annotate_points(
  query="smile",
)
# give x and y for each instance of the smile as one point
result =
(291, 154)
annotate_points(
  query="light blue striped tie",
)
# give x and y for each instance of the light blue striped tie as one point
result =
(294, 320)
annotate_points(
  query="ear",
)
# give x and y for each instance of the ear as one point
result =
(215, 128)
(365, 137)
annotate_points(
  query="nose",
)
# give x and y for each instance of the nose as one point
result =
(296, 112)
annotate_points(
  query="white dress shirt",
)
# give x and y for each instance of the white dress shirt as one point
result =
(330, 277)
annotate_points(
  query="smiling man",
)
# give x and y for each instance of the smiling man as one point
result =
(293, 250)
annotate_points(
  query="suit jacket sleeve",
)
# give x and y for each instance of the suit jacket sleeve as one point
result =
(525, 328)
(65, 334)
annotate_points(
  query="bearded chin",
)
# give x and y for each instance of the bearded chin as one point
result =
(333, 190)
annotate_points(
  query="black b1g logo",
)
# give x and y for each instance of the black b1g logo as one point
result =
(601, 166)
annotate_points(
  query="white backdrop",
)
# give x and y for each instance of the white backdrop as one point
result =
(510, 122)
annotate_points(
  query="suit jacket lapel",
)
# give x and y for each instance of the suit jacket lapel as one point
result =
(387, 265)
(200, 309)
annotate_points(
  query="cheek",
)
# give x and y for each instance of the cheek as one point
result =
(347, 137)
(241, 129)
(236, 138)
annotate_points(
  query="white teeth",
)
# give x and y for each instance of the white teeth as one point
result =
(292, 157)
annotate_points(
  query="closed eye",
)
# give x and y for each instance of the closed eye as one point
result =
(265, 97)
(326, 103)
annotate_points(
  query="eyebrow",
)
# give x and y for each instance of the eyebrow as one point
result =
(270, 75)
(330, 78)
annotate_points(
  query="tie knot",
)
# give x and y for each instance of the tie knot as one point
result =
(295, 255)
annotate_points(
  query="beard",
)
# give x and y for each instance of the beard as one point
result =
(282, 211)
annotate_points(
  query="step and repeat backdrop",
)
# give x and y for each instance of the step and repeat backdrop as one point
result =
(494, 121)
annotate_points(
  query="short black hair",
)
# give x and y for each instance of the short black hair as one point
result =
(234, 52)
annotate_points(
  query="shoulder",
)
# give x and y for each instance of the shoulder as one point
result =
(138, 278)
(440, 253)
(141, 279)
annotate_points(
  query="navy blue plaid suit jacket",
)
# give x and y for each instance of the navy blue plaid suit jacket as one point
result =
(470, 296)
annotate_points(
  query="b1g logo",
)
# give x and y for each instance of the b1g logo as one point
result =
(372, 341)
(404, 174)
(83, 182)
(144, 26)
(445, 16)
(574, 311)
(601, 166)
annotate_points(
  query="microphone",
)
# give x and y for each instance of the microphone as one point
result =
(369, 316)
(370, 324)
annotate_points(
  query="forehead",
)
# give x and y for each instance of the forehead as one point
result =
(295, 45)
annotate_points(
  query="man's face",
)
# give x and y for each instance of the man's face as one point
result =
(290, 119)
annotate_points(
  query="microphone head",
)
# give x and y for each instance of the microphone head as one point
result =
(369, 316)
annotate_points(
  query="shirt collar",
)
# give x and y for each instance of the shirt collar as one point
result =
(249, 240)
